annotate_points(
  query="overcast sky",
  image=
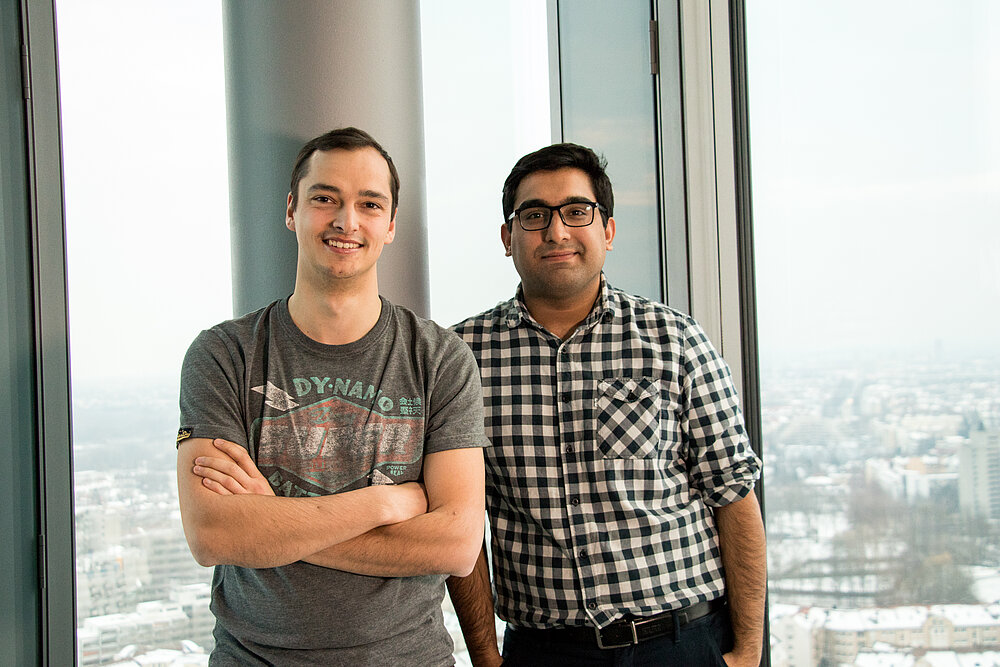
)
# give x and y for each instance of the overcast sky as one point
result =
(876, 174)
(147, 207)
(875, 146)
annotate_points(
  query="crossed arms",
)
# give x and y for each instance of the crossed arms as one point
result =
(231, 516)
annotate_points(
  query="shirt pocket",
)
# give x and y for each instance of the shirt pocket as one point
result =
(628, 417)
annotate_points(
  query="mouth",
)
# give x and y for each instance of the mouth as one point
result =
(557, 255)
(345, 245)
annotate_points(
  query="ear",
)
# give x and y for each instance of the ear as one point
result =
(609, 234)
(289, 213)
(390, 233)
(505, 238)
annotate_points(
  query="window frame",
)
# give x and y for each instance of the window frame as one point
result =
(56, 575)
(717, 233)
(719, 217)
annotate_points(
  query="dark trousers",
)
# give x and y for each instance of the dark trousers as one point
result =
(700, 643)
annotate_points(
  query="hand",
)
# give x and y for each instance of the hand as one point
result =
(492, 659)
(234, 473)
(734, 659)
(406, 500)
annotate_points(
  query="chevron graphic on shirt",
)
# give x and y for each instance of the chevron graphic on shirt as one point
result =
(334, 445)
(380, 479)
(276, 397)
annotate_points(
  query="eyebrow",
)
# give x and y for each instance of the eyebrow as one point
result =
(373, 194)
(575, 199)
(324, 187)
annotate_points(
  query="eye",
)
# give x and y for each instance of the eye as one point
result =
(374, 206)
(577, 210)
(323, 199)
(533, 214)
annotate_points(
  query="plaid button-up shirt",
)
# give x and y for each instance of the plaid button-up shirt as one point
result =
(610, 450)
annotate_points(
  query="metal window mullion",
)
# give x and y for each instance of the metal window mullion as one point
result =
(720, 217)
(700, 167)
(668, 96)
(725, 187)
(555, 77)
(713, 245)
(51, 334)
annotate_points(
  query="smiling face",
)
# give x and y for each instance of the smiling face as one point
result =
(558, 263)
(342, 217)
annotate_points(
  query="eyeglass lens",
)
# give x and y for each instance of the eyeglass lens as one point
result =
(574, 214)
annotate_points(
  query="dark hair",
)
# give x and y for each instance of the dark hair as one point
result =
(346, 138)
(558, 156)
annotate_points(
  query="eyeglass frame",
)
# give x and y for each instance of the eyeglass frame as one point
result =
(597, 206)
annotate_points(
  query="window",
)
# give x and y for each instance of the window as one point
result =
(143, 119)
(503, 102)
(504, 56)
(876, 175)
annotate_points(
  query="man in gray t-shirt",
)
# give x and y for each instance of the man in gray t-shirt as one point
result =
(329, 460)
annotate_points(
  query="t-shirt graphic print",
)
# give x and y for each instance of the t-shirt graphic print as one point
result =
(350, 432)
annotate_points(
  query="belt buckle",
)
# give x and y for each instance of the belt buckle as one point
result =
(601, 644)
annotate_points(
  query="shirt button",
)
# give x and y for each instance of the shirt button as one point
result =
(569, 449)
(592, 605)
(566, 398)
(583, 553)
(574, 501)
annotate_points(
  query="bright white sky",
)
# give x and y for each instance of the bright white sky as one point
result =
(147, 207)
(876, 175)
(876, 158)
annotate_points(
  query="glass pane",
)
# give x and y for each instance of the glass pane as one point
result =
(504, 61)
(876, 174)
(474, 132)
(147, 227)
(607, 104)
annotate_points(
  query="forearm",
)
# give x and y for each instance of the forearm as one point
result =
(225, 524)
(442, 541)
(265, 531)
(744, 557)
(472, 599)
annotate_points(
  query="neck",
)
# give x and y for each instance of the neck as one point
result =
(334, 317)
(561, 315)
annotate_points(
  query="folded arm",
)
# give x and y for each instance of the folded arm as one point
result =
(257, 530)
(446, 539)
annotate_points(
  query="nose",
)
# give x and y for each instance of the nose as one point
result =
(346, 219)
(557, 229)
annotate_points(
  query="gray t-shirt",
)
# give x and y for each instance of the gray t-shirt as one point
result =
(321, 419)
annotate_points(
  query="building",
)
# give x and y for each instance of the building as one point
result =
(816, 637)
(183, 622)
(979, 474)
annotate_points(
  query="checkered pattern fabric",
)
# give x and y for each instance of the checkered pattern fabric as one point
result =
(610, 450)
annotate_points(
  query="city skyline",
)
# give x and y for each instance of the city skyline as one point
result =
(901, 427)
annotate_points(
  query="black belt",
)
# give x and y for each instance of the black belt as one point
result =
(631, 630)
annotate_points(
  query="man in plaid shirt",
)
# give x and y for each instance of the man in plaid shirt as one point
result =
(620, 479)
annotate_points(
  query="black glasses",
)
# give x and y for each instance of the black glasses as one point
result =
(536, 217)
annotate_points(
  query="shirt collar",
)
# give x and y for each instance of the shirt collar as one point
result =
(515, 311)
(606, 308)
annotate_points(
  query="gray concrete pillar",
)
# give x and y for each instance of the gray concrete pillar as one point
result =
(295, 69)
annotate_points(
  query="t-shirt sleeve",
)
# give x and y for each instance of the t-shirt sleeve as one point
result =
(723, 465)
(210, 405)
(455, 419)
